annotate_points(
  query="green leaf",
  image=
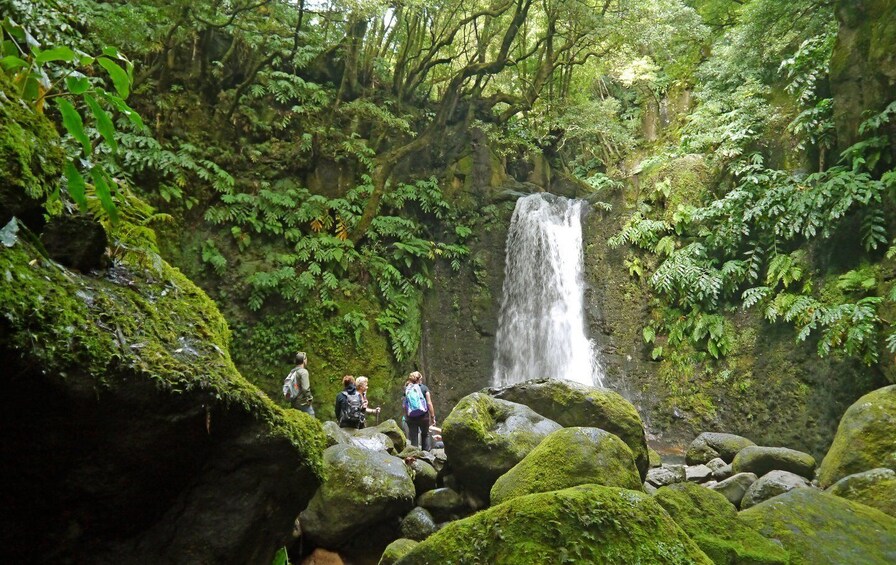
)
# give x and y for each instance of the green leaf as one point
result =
(32, 89)
(123, 107)
(77, 84)
(102, 185)
(73, 123)
(76, 185)
(118, 75)
(103, 122)
(55, 54)
(649, 334)
(12, 62)
(280, 558)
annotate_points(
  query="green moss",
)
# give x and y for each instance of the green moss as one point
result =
(712, 522)
(816, 527)
(396, 550)
(570, 457)
(31, 159)
(875, 488)
(156, 326)
(583, 524)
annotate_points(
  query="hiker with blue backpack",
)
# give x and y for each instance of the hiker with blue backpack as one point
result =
(350, 410)
(419, 410)
(297, 386)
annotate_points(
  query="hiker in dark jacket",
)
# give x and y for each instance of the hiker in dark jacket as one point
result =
(349, 410)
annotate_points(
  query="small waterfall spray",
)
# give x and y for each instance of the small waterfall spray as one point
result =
(541, 327)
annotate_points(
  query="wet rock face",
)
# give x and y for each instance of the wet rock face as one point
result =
(138, 472)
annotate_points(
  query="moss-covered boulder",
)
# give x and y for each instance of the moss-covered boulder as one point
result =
(124, 418)
(418, 524)
(583, 524)
(710, 445)
(485, 437)
(396, 550)
(876, 488)
(712, 522)
(363, 489)
(761, 460)
(570, 457)
(816, 527)
(866, 438)
(572, 404)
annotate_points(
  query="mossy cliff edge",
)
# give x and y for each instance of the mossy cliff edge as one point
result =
(128, 434)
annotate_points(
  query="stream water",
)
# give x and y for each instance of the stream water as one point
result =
(541, 327)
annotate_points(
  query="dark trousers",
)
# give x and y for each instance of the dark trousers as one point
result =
(417, 428)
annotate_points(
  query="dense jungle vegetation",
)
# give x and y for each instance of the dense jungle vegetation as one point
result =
(297, 157)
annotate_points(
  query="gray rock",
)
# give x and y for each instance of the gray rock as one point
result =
(771, 484)
(734, 488)
(393, 431)
(710, 445)
(720, 469)
(363, 488)
(372, 440)
(485, 437)
(336, 435)
(761, 460)
(697, 473)
(666, 475)
(875, 488)
(418, 524)
(424, 476)
(443, 504)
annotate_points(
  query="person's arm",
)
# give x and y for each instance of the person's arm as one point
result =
(432, 409)
(338, 405)
(306, 386)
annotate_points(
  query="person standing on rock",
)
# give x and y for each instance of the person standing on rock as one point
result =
(349, 409)
(297, 386)
(419, 410)
(361, 385)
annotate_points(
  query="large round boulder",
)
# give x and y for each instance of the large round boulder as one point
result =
(761, 460)
(816, 527)
(865, 439)
(735, 487)
(363, 488)
(485, 437)
(570, 457)
(712, 522)
(770, 485)
(583, 524)
(710, 445)
(573, 404)
(876, 488)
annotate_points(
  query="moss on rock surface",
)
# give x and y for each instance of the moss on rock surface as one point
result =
(572, 404)
(583, 524)
(712, 522)
(816, 527)
(866, 438)
(875, 488)
(567, 458)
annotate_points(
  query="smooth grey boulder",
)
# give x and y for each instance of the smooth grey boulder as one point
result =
(335, 434)
(710, 445)
(424, 475)
(666, 475)
(697, 473)
(772, 484)
(876, 488)
(735, 487)
(363, 488)
(720, 469)
(418, 524)
(392, 430)
(444, 504)
(567, 458)
(573, 404)
(372, 440)
(761, 460)
(485, 437)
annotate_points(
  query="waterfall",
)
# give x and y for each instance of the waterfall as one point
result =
(541, 327)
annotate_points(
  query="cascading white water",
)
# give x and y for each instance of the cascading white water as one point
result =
(541, 328)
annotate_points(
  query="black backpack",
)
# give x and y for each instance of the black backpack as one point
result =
(353, 414)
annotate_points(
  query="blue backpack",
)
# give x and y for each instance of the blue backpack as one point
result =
(415, 402)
